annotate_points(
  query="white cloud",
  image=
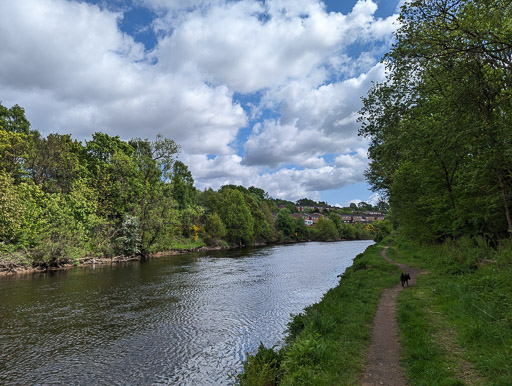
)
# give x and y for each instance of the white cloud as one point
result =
(73, 70)
(314, 121)
(293, 184)
(250, 45)
(354, 201)
(374, 199)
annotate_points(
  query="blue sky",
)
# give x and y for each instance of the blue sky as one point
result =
(261, 93)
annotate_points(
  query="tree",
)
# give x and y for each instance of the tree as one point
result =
(12, 209)
(236, 216)
(55, 162)
(347, 232)
(336, 219)
(261, 228)
(326, 229)
(14, 120)
(364, 206)
(258, 194)
(211, 200)
(382, 206)
(441, 120)
(14, 151)
(156, 206)
(285, 223)
(214, 226)
(301, 229)
(182, 182)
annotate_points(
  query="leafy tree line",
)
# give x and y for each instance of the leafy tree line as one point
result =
(61, 199)
(440, 124)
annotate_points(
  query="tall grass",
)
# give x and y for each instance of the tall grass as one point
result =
(327, 343)
(466, 299)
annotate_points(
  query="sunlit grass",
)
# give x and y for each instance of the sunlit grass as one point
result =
(327, 343)
(459, 316)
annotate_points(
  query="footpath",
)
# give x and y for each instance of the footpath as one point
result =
(383, 361)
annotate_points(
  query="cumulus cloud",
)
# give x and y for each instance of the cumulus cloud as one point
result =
(294, 183)
(74, 70)
(290, 183)
(72, 59)
(313, 121)
(251, 45)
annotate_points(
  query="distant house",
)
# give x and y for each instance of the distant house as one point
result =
(311, 219)
(357, 218)
(346, 217)
(306, 217)
(315, 217)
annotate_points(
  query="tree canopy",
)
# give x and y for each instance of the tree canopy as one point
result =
(440, 123)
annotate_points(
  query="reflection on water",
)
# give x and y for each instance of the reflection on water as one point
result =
(186, 319)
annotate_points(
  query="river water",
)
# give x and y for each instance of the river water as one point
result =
(187, 319)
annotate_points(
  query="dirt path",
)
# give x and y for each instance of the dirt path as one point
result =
(383, 362)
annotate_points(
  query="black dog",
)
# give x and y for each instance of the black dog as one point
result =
(404, 278)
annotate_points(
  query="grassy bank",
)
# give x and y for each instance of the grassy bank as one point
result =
(456, 322)
(326, 344)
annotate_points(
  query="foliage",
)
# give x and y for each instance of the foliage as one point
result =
(13, 120)
(129, 242)
(61, 199)
(439, 124)
(12, 209)
(264, 368)
(327, 229)
(55, 162)
(285, 223)
(183, 190)
(381, 229)
(236, 216)
(214, 227)
(14, 150)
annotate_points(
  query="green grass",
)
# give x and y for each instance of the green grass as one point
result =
(327, 343)
(456, 323)
(424, 359)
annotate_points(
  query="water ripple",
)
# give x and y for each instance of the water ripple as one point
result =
(187, 320)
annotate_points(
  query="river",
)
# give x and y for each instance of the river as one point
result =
(186, 319)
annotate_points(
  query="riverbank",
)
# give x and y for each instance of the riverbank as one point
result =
(18, 266)
(327, 342)
(455, 323)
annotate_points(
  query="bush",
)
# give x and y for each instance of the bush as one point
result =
(264, 368)
(129, 242)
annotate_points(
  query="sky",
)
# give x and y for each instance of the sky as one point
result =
(256, 93)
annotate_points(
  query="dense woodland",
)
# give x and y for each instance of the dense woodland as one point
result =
(440, 125)
(61, 200)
